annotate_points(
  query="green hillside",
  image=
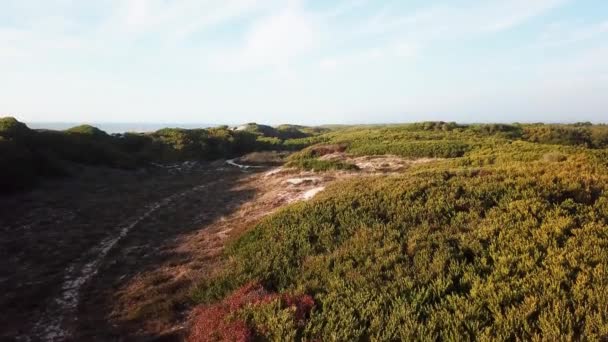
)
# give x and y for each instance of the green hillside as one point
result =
(504, 238)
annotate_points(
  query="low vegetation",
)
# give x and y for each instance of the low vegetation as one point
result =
(504, 239)
(308, 159)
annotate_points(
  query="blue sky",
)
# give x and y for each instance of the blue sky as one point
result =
(307, 61)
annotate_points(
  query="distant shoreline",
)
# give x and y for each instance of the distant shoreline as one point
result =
(111, 128)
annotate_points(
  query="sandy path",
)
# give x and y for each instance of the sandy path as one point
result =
(145, 279)
(57, 322)
(53, 326)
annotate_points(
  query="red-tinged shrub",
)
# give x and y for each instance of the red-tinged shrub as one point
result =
(214, 322)
(218, 322)
(303, 305)
(252, 293)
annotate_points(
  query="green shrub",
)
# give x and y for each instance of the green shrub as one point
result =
(88, 130)
(413, 149)
(508, 250)
(555, 157)
(10, 128)
(558, 135)
(599, 136)
(321, 165)
(502, 130)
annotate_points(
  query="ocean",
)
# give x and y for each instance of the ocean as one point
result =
(117, 127)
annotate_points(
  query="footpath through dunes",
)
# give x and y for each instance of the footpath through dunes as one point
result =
(56, 237)
(113, 255)
(145, 291)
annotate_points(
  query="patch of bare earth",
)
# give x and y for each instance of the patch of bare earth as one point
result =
(381, 164)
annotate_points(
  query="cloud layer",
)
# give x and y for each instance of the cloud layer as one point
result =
(306, 61)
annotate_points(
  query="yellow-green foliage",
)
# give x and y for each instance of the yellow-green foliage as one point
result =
(313, 164)
(10, 128)
(405, 141)
(277, 322)
(583, 134)
(504, 244)
(448, 140)
(307, 159)
(87, 130)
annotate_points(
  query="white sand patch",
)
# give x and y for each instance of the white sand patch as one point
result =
(378, 164)
(273, 172)
(312, 193)
(240, 166)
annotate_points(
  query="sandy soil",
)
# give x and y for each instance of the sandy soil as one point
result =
(112, 255)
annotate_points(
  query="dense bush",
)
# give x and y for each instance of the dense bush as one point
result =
(30, 155)
(558, 134)
(406, 141)
(414, 149)
(502, 130)
(512, 249)
(307, 159)
(435, 126)
(581, 134)
(599, 136)
(12, 129)
(261, 130)
(313, 164)
(87, 130)
(291, 132)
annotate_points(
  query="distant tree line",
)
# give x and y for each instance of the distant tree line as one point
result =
(28, 155)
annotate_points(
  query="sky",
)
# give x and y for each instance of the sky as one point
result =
(304, 61)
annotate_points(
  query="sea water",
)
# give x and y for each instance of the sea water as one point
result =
(118, 127)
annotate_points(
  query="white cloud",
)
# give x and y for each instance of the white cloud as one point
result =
(455, 21)
(106, 28)
(342, 8)
(277, 40)
(563, 34)
(508, 14)
(329, 63)
(586, 64)
(136, 15)
(178, 18)
(409, 34)
(402, 51)
(291, 51)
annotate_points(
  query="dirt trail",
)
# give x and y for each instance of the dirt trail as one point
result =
(55, 238)
(52, 325)
(145, 289)
(123, 272)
